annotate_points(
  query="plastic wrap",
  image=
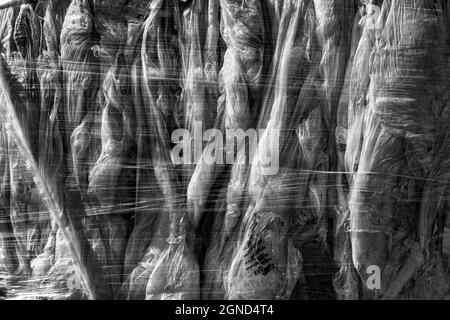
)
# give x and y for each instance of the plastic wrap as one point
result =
(224, 149)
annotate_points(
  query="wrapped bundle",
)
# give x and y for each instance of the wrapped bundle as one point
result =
(406, 99)
(348, 138)
(160, 235)
(176, 272)
(211, 54)
(110, 24)
(81, 81)
(18, 130)
(7, 29)
(9, 262)
(51, 144)
(117, 141)
(242, 28)
(266, 264)
(25, 208)
(350, 162)
(149, 199)
(81, 84)
(275, 8)
(346, 281)
(240, 76)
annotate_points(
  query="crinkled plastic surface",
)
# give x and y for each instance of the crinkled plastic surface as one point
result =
(225, 149)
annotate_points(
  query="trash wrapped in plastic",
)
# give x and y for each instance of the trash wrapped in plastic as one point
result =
(224, 149)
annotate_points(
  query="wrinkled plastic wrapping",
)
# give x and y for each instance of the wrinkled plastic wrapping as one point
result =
(225, 149)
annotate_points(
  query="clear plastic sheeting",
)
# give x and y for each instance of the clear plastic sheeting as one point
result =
(224, 149)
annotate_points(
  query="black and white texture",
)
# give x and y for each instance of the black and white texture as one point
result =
(95, 204)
